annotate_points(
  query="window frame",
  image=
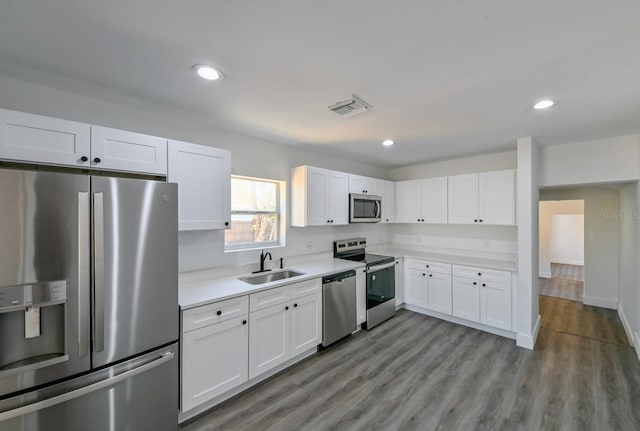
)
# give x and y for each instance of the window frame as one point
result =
(279, 214)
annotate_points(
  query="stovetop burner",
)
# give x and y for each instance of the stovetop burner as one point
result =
(354, 249)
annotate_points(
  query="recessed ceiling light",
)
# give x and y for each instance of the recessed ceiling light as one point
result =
(544, 104)
(207, 72)
(387, 142)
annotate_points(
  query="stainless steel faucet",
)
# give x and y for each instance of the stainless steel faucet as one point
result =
(263, 257)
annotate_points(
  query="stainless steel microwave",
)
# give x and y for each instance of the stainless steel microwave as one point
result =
(364, 208)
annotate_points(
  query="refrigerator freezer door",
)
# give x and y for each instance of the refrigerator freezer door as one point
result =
(135, 247)
(140, 394)
(44, 265)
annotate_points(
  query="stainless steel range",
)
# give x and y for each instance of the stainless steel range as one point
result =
(381, 292)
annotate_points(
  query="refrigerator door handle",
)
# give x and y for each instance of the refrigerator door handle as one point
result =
(83, 273)
(59, 399)
(98, 272)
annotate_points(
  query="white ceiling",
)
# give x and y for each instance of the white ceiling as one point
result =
(445, 78)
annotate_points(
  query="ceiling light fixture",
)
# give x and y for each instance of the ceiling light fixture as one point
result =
(207, 72)
(387, 142)
(544, 104)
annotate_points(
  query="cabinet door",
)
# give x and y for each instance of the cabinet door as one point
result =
(214, 360)
(387, 190)
(495, 305)
(497, 197)
(203, 175)
(120, 150)
(434, 200)
(269, 342)
(371, 186)
(399, 282)
(34, 138)
(408, 206)
(361, 296)
(463, 199)
(416, 292)
(338, 200)
(316, 194)
(306, 323)
(440, 296)
(466, 299)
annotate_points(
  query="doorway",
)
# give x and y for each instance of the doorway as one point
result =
(561, 260)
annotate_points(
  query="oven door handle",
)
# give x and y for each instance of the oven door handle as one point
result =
(379, 267)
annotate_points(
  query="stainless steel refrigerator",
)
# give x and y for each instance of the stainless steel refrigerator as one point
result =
(89, 320)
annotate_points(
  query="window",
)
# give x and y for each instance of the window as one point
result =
(256, 220)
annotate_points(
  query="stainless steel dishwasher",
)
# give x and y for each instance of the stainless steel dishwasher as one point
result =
(338, 306)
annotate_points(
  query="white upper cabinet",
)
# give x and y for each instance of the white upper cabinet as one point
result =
(37, 139)
(497, 197)
(319, 197)
(363, 185)
(387, 191)
(203, 175)
(422, 201)
(484, 198)
(120, 150)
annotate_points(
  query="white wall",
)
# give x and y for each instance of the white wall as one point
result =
(250, 156)
(462, 165)
(599, 161)
(567, 239)
(547, 209)
(629, 302)
(601, 241)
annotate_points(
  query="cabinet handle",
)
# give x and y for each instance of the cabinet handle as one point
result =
(475, 284)
(480, 274)
(423, 274)
(430, 275)
(484, 285)
(244, 322)
(286, 308)
(331, 221)
(427, 266)
(387, 219)
(295, 305)
(418, 219)
(84, 158)
(480, 220)
(475, 220)
(226, 223)
(97, 160)
(219, 312)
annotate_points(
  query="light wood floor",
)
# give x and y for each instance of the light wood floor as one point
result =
(420, 373)
(567, 281)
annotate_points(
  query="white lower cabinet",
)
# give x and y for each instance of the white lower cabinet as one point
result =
(214, 360)
(429, 285)
(269, 338)
(439, 294)
(466, 299)
(284, 330)
(417, 290)
(482, 295)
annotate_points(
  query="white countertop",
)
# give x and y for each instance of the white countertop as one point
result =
(499, 264)
(201, 292)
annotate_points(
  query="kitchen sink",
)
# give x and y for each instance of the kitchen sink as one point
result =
(271, 276)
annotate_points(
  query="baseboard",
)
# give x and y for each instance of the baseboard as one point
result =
(544, 274)
(569, 262)
(626, 325)
(528, 341)
(599, 302)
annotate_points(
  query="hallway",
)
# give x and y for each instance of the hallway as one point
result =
(567, 281)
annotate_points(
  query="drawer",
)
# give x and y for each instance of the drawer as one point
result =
(267, 298)
(502, 277)
(206, 315)
(305, 288)
(435, 267)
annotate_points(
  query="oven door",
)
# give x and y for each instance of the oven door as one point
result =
(381, 284)
(364, 208)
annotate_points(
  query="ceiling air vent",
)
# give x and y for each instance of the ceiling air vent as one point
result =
(352, 106)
